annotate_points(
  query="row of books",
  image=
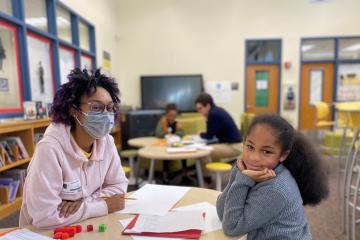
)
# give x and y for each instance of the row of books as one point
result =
(38, 136)
(11, 150)
(11, 183)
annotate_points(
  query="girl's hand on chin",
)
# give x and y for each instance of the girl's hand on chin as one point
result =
(240, 164)
(260, 175)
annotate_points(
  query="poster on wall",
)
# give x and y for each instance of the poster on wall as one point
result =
(289, 97)
(348, 83)
(86, 62)
(316, 83)
(219, 90)
(106, 66)
(262, 89)
(40, 64)
(67, 63)
(10, 80)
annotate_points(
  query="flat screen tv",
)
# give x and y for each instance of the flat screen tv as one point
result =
(157, 91)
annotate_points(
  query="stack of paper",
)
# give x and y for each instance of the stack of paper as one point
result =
(154, 199)
(186, 224)
(126, 222)
(22, 234)
(212, 221)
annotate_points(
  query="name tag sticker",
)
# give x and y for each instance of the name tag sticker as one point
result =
(72, 187)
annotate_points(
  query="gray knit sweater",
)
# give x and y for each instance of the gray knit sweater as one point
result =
(268, 210)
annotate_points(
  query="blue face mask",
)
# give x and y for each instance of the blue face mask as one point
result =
(96, 124)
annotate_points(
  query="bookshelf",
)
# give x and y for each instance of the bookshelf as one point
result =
(15, 164)
(26, 130)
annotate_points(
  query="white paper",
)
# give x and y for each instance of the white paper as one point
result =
(154, 199)
(24, 234)
(195, 138)
(67, 63)
(212, 221)
(41, 77)
(201, 146)
(171, 222)
(180, 149)
(261, 84)
(219, 90)
(316, 84)
(126, 222)
(86, 62)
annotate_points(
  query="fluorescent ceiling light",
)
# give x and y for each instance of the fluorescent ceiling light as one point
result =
(352, 48)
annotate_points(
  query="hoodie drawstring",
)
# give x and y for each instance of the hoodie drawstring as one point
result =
(100, 177)
(81, 181)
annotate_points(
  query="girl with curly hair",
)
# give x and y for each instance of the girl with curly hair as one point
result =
(75, 172)
(278, 172)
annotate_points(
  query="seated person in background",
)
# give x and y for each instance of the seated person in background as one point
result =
(221, 129)
(168, 123)
(76, 173)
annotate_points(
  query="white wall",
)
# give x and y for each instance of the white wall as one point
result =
(208, 37)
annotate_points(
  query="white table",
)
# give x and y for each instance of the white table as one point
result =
(160, 153)
(114, 228)
(142, 141)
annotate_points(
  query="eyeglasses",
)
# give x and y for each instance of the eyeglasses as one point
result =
(99, 107)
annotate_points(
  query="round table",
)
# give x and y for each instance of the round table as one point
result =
(142, 141)
(139, 142)
(160, 153)
(114, 228)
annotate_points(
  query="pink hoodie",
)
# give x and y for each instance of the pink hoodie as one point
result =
(60, 171)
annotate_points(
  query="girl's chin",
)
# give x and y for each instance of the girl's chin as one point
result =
(253, 168)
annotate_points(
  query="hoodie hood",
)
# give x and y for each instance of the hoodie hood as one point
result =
(62, 135)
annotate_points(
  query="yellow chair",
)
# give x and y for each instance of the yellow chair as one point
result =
(188, 125)
(333, 141)
(218, 168)
(130, 154)
(323, 115)
(245, 120)
(126, 169)
(192, 123)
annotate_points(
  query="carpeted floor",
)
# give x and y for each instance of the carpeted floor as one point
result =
(324, 219)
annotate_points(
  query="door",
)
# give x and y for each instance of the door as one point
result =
(317, 84)
(262, 88)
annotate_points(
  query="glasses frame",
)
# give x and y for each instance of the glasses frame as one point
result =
(112, 107)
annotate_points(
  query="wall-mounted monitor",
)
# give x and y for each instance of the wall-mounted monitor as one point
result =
(157, 91)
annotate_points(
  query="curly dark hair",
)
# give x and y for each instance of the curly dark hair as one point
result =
(70, 93)
(170, 106)
(303, 161)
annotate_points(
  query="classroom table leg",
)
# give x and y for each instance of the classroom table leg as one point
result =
(137, 171)
(151, 170)
(132, 178)
(199, 173)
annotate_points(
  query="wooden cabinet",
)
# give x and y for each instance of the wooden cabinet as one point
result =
(28, 131)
